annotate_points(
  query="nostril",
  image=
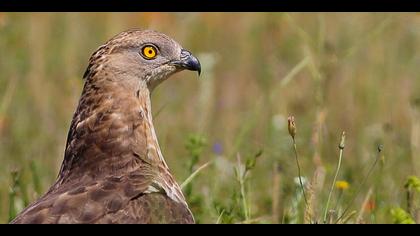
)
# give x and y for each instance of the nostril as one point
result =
(185, 53)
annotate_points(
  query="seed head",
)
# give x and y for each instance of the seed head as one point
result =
(291, 126)
(342, 141)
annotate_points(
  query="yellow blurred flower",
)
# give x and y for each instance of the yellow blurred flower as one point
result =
(342, 184)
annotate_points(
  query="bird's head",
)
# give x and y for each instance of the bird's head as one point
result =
(144, 55)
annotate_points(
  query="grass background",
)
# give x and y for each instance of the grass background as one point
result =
(353, 72)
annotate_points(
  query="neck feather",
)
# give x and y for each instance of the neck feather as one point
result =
(111, 129)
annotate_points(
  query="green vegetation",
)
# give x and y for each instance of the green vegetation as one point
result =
(226, 134)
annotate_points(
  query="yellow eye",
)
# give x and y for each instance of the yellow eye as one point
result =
(149, 52)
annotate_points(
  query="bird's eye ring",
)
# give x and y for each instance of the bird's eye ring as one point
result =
(149, 52)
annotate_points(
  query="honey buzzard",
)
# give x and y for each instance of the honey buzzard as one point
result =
(113, 169)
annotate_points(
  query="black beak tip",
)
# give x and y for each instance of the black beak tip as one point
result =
(190, 62)
(193, 64)
(199, 68)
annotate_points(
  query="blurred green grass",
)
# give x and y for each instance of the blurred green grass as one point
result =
(357, 72)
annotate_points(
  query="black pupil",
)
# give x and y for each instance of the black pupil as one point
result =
(150, 51)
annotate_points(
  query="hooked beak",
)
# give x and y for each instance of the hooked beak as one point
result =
(188, 61)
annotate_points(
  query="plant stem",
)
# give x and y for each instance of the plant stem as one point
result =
(360, 186)
(409, 200)
(241, 175)
(219, 219)
(245, 205)
(192, 176)
(340, 194)
(333, 183)
(299, 175)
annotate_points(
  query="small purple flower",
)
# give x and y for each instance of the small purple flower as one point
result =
(217, 148)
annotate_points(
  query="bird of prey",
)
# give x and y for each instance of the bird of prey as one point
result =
(113, 169)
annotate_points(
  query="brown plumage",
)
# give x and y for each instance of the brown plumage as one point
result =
(113, 170)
